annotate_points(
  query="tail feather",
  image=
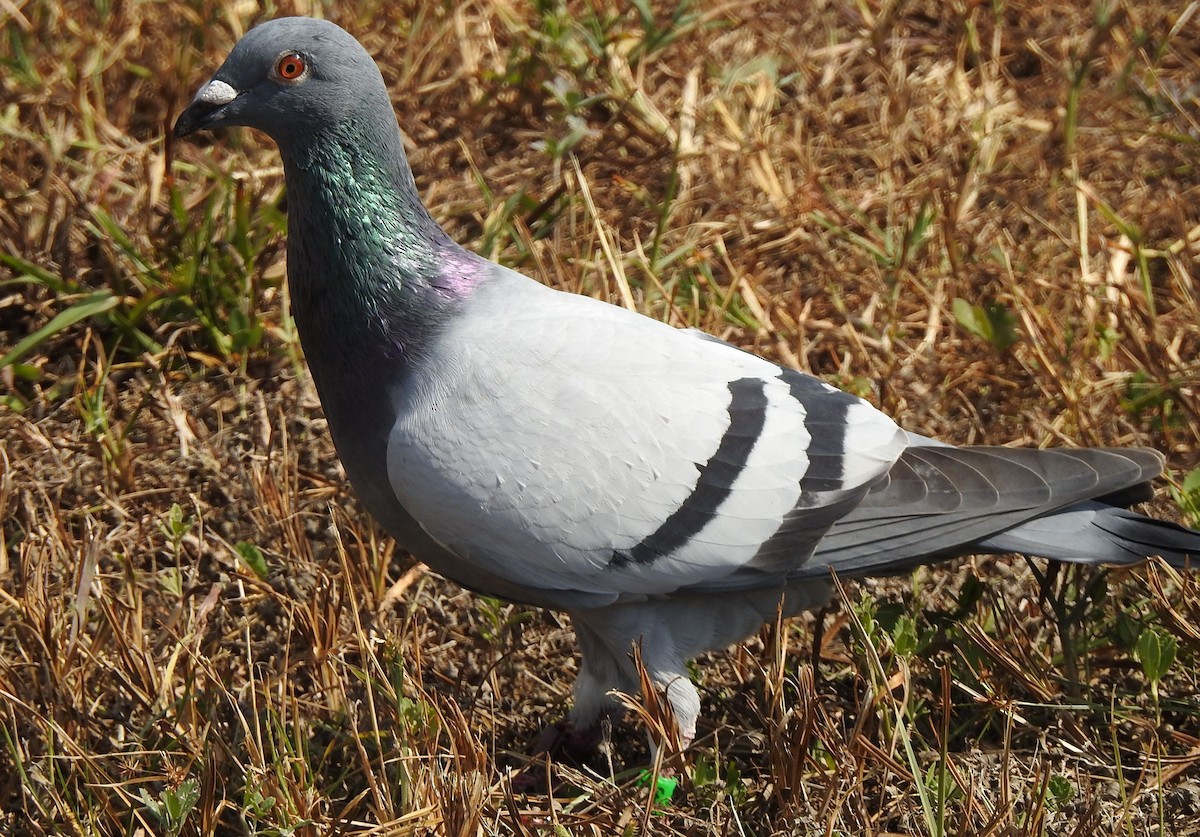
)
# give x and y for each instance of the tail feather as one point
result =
(940, 501)
(1093, 533)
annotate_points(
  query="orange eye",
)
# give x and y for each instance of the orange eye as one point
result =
(291, 66)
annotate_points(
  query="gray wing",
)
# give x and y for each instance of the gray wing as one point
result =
(569, 445)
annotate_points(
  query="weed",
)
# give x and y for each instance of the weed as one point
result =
(992, 323)
(1187, 495)
(173, 806)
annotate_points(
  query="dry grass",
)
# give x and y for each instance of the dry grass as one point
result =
(194, 612)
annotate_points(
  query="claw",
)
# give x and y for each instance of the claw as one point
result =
(563, 743)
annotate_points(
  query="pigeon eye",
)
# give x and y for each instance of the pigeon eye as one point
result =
(291, 66)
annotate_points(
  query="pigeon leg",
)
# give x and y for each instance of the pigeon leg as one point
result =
(602, 671)
(607, 666)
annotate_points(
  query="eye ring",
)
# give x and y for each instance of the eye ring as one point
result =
(291, 66)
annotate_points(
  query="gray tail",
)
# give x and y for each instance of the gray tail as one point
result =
(1093, 533)
(1065, 504)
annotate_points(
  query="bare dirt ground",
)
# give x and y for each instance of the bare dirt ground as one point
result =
(983, 217)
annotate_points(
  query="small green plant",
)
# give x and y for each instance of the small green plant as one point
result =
(711, 782)
(735, 785)
(704, 773)
(900, 715)
(941, 787)
(1128, 628)
(993, 323)
(868, 612)
(904, 636)
(1144, 395)
(1074, 594)
(1187, 495)
(572, 103)
(220, 252)
(658, 36)
(893, 248)
(1060, 791)
(256, 806)
(1155, 650)
(173, 806)
(252, 557)
(1107, 339)
(176, 527)
(499, 619)
(93, 408)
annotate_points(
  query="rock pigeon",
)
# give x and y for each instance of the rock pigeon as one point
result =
(661, 486)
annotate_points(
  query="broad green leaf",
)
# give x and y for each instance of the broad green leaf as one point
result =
(1156, 652)
(252, 557)
(993, 322)
(1061, 791)
(904, 636)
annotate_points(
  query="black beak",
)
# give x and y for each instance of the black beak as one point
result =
(193, 118)
(206, 109)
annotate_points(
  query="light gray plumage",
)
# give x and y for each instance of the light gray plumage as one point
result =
(659, 485)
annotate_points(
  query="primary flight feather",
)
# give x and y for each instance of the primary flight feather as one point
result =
(661, 486)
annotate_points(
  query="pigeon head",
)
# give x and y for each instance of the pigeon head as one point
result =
(292, 78)
(370, 271)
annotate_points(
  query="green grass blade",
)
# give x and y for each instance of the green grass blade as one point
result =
(89, 306)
